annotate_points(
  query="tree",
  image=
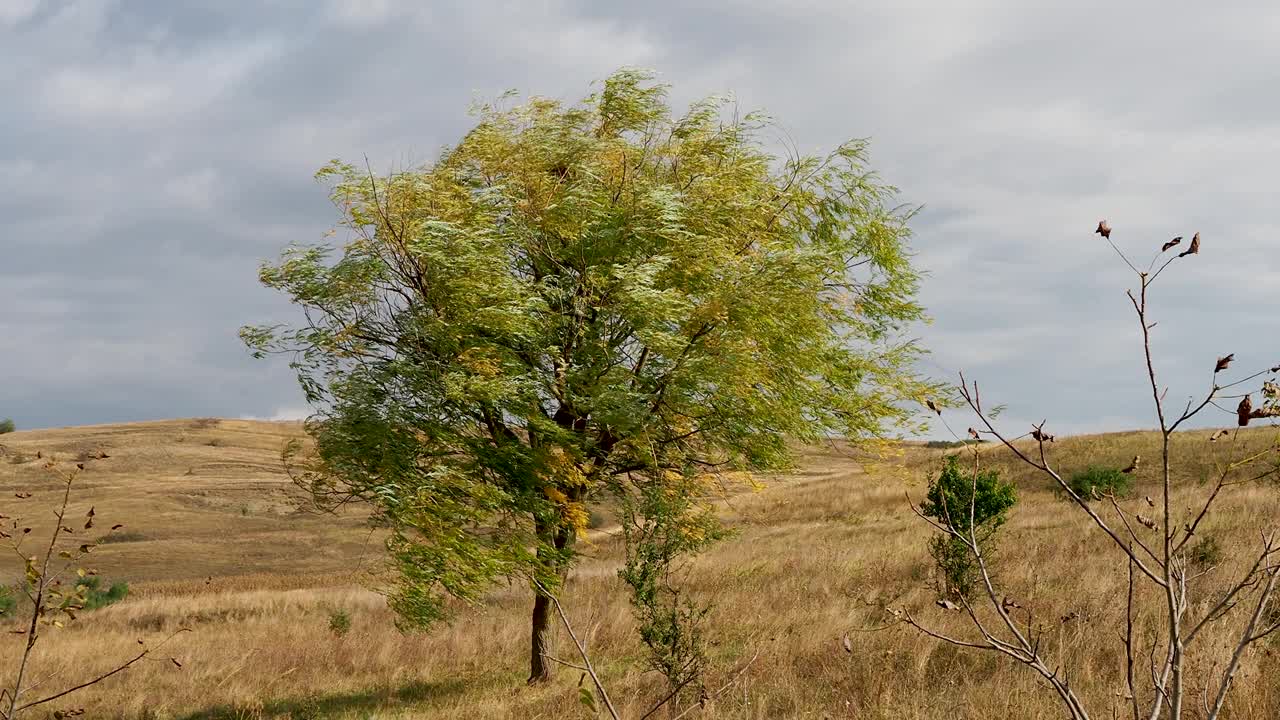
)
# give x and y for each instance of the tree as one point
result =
(1202, 625)
(575, 299)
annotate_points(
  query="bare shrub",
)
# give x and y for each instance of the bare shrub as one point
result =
(56, 587)
(1181, 657)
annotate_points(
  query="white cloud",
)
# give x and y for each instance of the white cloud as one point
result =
(13, 12)
(282, 415)
(1018, 125)
(151, 86)
(197, 190)
(362, 14)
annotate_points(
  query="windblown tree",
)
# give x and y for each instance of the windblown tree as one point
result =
(581, 301)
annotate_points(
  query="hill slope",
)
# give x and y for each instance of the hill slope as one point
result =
(818, 554)
(199, 498)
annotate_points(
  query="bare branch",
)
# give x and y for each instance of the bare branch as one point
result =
(582, 651)
(732, 681)
(1062, 484)
(1246, 638)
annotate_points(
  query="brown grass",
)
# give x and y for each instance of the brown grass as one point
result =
(818, 554)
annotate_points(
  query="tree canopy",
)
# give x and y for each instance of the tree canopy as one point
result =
(577, 300)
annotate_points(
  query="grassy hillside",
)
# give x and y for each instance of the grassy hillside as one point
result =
(217, 544)
(200, 498)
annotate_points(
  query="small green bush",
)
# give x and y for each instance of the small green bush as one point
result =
(339, 622)
(7, 426)
(95, 597)
(965, 503)
(1103, 480)
(1205, 553)
(8, 601)
(658, 527)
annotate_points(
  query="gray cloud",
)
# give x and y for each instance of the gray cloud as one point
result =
(153, 153)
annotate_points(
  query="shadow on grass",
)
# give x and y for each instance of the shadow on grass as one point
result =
(335, 705)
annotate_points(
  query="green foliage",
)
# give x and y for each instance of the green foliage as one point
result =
(971, 506)
(956, 564)
(959, 500)
(8, 602)
(94, 597)
(1096, 481)
(1205, 553)
(7, 426)
(662, 524)
(571, 294)
(339, 622)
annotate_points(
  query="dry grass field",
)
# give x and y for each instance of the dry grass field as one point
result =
(215, 542)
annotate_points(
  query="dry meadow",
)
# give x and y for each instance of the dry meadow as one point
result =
(217, 540)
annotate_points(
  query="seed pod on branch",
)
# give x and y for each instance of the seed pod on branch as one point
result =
(1041, 436)
(1223, 362)
(933, 406)
(1243, 410)
(1171, 243)
(1104, 229)
(1220, 434)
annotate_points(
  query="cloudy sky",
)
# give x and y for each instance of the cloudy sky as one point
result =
(153, 153)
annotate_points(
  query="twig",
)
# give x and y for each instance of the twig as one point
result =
(565, 663)
(732, 681)
(669, 696)
(582, 651)
(1246, 638)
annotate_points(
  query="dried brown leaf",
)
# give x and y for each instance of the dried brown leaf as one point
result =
(1194, 249)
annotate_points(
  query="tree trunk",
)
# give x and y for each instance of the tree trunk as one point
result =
(539, 665)
(542, 623)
